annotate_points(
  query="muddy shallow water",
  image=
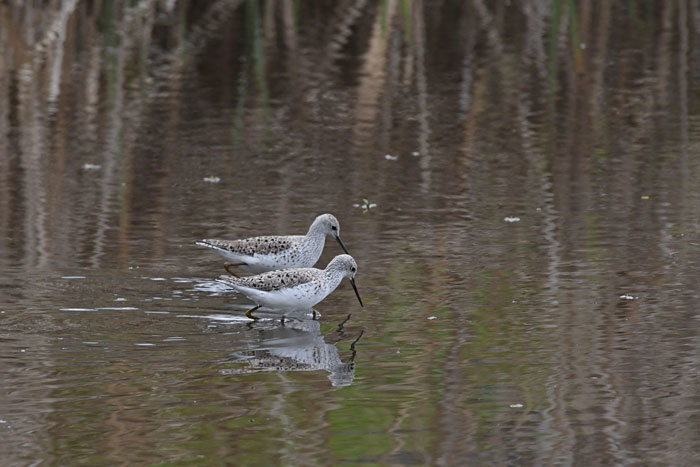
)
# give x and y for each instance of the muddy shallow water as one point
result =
(517, 182)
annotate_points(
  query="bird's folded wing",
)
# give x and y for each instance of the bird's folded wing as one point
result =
(249, 246)
(276, 280)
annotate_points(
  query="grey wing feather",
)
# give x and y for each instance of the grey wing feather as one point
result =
(275, 280)
(250, 246)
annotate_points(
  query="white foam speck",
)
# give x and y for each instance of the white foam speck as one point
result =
(72, 277)
(516, 406)
(217, 317)
(213, 287)
(174, 339)
(512, 219)
(182, 279)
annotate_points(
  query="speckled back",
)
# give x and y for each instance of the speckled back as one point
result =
(267, 245)
(276, 280)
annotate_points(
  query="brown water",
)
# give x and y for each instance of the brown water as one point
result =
(529, 264)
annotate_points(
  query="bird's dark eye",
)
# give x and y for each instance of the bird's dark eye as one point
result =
(353, 269)
(334, 227)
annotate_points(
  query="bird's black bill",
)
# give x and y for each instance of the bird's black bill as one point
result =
(337, 237)
(354, 287)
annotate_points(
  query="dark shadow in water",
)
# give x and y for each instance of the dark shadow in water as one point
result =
(295, 343)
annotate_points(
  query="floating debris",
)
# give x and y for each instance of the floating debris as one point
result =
(628, 297)
(365, 205)
(389, 157)
(88, 166)
(432, 317)
(512, 219)
(516, 406)
(645, 197)
(415, 154)
(212, 179)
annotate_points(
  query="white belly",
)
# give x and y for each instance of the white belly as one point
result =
(301, 297)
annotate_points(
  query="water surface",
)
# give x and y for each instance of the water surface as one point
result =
(517, 182)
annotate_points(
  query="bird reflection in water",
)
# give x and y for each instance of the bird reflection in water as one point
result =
(296, 344)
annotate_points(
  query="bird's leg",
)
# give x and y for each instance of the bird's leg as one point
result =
(283, 320)
(229, 265)
(249, 313)
(313, 314)
(352, 346)
(342, 325)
